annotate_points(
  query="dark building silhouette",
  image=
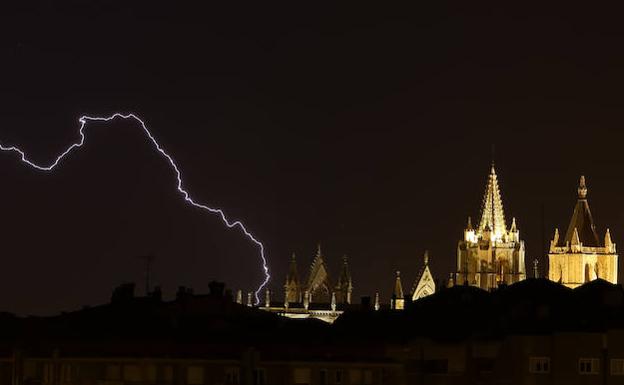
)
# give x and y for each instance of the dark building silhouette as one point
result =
(532, 332)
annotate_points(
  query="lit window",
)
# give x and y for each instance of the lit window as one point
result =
(150, 373)
(302, 376)
(167, 373)
(355, 376)
(66, 373)
(194, 375)
(589, 365)
(232, 376)
(617, 367)
(30, 370)
(323, 377)
(539, 364)
(48, 373)
(259, 377)
(113, 372)
(132, 373)
(338, 377)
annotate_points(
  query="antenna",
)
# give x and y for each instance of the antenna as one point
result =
(543, 230)
(149, 258)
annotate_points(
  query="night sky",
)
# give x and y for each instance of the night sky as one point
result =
(366, 129)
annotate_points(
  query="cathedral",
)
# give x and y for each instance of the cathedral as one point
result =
(315, 297)
(490, 254)
(581, 256)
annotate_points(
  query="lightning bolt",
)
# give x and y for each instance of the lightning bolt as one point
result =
(180, 185)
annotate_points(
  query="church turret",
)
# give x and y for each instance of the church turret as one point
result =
(575, 242)
(609, 245)
(267, 298)
(344, 286)
(581, 256)
(398, 300)
(292, 287)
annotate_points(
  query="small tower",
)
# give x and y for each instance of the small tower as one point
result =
(292, 287)
(535, 269)
(239, 297)
(398, 300)
(377, 301)
(249, 299)
(580, 256)
(267, 298)
(344, 286)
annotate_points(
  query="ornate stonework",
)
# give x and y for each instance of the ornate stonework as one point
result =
(424, 284)
(580, 256)
(490, 254)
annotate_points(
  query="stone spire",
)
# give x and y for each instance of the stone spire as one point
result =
(535, 268)
(398, 286)
(292, 287)
(344, 286)
(609, 245)
(492, 214)
(398, 300)
(582, 221)
(582, 188)
(318, 279)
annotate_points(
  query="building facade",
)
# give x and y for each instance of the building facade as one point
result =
(581, 256)
(490, 254)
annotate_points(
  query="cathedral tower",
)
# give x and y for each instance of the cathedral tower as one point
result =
(581, 256)
(318, 285)
(344, 286)
(292, 288)
(491, 254)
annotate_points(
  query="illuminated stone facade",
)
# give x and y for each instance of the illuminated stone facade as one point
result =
(580, 256)
(491, 254)
(424, 284)
(316, 298)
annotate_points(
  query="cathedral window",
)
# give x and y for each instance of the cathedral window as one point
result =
(617, 367)
(539, 365)
(589, 365)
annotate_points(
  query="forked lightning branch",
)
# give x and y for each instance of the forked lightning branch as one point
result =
(84, 120)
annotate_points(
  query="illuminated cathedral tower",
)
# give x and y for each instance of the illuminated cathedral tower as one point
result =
(491, 254)
(292, 288)
(581, 257)
(318, 288)
(344, 286)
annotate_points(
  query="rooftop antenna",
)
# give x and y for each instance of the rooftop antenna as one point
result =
(543, 231)
(149, 259)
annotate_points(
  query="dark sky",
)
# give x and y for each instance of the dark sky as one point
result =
(368, 129)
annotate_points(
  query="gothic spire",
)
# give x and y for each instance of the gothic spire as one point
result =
(293, 276)
(318, 278)
(492, 214)
(398, 287)
(582, 222)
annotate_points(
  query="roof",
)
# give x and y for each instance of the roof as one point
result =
(582, 221)
(492, 214)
